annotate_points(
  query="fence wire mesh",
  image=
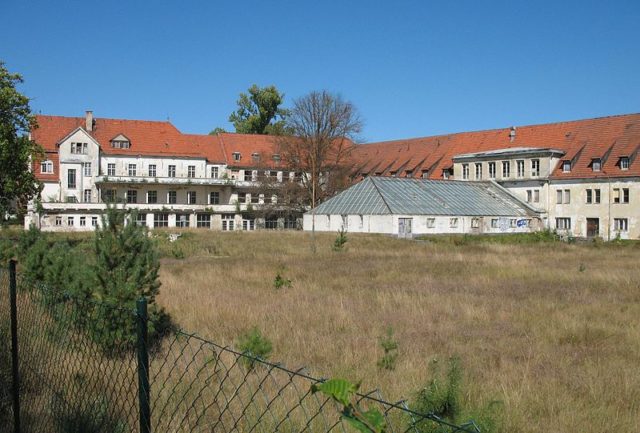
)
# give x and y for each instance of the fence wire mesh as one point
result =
(79, 374)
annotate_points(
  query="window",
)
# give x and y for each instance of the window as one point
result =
(191, 171)
(465, 171)
(621, 224)
(248, 224)
(203, 220)
(171, 171)
(520, 167)
(83, 221)
(255, 198)
(593, 196)
(247, 175)
(172, 197)
(596, 164)
(191, 197)
(132, 196)
(506, 169)
(255, 157)
(46, 167)
(86, 196)
(111, 169)
(182, 220)
(242, 197)
(453, 222)
(492, 170)
(563, 223)
(513, 223)
(445, 174)
(236, 156)
(478, 171)
(214, 172)
(227, 221)
(72, 199)
(276, 157)
(624, 163)
(409, 173)
(120, 144)
(141, 219)
(58, 220)
(621, 195)
(71, 178)
(425, 174)
(563, 196)
(536, 196)
(86, 168)
(79, 148)
(94, 221)
(529, 196)
(132, 169)
(566, 166)
(214, 197)
(431, 223)
(494, 223)
(535, 167)
(235, 174)
(161, 220)
(109, 195)
(70, 222)
(152, 197)
(475, 223)
(152, 170)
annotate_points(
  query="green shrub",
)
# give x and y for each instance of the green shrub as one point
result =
(33, 262)
(442, 397)
(253, 344)
(280, 281)
(7, 251)
(341, 240)
(390, 347)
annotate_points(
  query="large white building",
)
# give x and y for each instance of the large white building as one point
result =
(172, 179)
(580, 177)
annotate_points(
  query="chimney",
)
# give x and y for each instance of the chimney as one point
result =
(89, 121)
(512, 134)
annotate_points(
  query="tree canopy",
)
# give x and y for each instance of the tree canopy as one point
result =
(259, 111)
(18, 184)
(322, 128)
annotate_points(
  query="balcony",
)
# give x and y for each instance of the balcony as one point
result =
(159, 207)
(142, 180)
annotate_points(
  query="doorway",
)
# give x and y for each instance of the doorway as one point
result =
(593, 227)
(404, 227)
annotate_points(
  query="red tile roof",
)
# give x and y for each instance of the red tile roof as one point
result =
(607, 138)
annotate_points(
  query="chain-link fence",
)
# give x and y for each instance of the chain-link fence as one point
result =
(85, 366)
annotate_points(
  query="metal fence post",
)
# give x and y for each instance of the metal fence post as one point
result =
(143, 366)
(15, 382)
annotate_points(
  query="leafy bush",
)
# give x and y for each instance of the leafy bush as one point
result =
(280, 281)
(390, 347)
(255, 345)
(442, 396)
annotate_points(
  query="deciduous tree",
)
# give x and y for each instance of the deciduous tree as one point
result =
(259, 111)
(18, 184)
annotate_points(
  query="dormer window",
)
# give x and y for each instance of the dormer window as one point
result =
(566, 166)
(276, 157)
(425, 174)
(236, 156)
(46, 167)
(120, 142)
(445, 174)
(596, 164)
(624, 163)
(255, 157)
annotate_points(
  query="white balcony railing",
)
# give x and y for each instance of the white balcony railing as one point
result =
(141, 180)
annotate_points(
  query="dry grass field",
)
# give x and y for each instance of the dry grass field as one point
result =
(551, 330)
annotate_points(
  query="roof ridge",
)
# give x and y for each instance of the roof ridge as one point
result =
(447, 134)
(380, 194)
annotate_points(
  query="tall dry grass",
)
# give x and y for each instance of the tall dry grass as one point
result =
(551, 330)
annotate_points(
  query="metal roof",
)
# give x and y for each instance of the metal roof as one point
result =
(385, 195)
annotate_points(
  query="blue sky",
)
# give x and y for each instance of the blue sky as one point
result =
(413, 68)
